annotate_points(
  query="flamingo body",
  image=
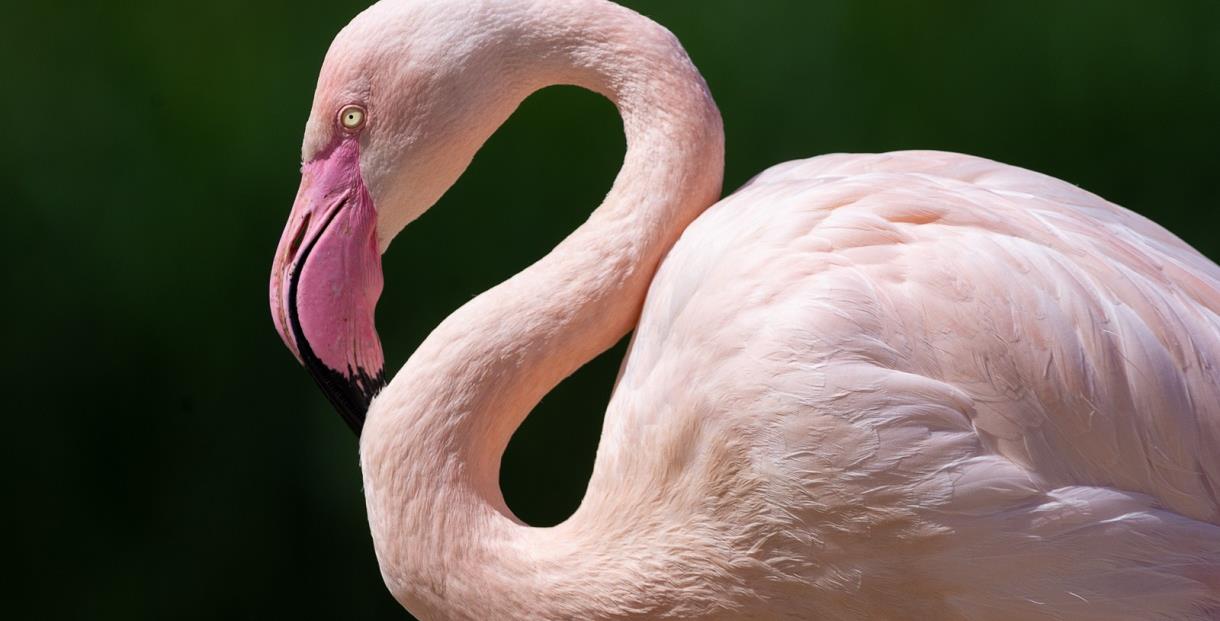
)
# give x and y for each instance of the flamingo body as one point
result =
(978, 391)
(862, 387)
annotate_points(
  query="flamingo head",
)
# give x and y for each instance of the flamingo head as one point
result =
(390, 130)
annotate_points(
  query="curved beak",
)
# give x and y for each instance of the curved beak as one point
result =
(326, 280)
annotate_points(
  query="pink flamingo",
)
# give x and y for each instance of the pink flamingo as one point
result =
(899, 386)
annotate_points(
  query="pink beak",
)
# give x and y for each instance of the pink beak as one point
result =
(326, 279)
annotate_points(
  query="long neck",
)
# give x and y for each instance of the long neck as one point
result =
(447, 543)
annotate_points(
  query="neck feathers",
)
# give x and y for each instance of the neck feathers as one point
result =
(446, 541)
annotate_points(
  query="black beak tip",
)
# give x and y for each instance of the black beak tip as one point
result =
(350, 393)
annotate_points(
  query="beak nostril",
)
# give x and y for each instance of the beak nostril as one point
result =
(299, 236)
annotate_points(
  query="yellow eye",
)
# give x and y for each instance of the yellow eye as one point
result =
(351, 117)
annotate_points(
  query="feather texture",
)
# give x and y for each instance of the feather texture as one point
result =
(959, 388)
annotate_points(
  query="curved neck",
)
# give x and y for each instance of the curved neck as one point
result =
(447, 543)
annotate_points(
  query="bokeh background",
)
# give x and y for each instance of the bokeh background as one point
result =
(164, 456)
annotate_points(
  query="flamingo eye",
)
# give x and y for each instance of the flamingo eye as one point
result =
(351, 117)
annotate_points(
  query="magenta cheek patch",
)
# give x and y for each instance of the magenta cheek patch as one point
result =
(327, 279)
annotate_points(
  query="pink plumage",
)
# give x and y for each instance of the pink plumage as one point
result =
(897, 386)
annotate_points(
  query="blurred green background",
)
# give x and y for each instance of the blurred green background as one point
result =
(165, 457)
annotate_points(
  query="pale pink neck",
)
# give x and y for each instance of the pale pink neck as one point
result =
(432, 444)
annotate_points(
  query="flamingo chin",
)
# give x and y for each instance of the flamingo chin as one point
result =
(326, 280)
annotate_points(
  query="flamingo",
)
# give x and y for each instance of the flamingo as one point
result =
(868, 386)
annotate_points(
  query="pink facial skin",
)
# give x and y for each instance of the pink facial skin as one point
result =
(326, 280)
